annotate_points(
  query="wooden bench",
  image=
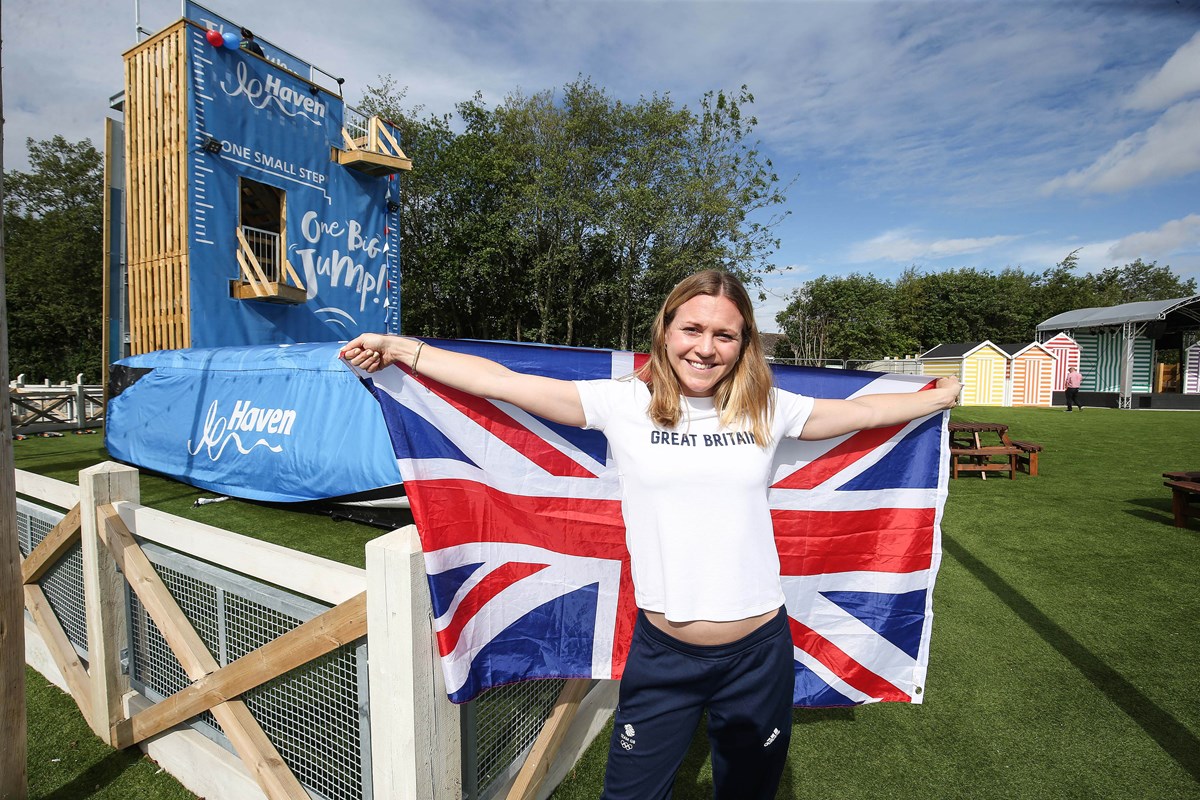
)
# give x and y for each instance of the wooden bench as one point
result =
(1183, 494)
(979, 459)
(1027, 459)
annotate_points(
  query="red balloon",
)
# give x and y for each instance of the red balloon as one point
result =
(215, 38)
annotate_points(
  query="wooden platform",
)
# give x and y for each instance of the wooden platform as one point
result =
(271, 292)
(374, 164)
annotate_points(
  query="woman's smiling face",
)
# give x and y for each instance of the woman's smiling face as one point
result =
(704, 341)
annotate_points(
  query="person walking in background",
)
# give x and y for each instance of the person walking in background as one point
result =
(1074, 379)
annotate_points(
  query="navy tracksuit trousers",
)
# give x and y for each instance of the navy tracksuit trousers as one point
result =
(746, 687)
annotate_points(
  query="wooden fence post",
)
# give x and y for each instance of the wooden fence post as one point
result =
(415, 732)
(104, 590)
(13, 713)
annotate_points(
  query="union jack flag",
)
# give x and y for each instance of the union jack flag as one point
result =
(520, 520)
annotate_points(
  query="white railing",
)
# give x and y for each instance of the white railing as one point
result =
(39, 408)
(357, 124)
(265, 247)
(372, 134)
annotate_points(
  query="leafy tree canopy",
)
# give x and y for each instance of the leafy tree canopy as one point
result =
(52, 221)
(564, 216)
(862, 317)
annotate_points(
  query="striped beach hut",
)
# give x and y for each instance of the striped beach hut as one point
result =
(1100, 362)
(1067, 351)
(982, 367)
(1117, 343)
(1191, 369)
(1030, 380)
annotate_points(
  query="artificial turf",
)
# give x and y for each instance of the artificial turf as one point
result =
(1064, 644)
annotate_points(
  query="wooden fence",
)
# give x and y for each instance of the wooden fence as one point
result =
(415, 733)
(40, 408)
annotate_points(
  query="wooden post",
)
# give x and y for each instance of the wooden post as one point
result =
(12, 601)
(541, 757)
(104, 589)
(415, 750)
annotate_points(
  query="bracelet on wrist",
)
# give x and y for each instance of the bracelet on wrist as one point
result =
(416, 357)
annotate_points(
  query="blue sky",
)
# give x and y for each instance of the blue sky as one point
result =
(929, 133)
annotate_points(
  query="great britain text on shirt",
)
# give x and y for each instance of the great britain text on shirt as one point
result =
(707, 440)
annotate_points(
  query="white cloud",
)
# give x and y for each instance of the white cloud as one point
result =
(902, 247)
(1168, 149)
(1177, 79)
(1178, 234)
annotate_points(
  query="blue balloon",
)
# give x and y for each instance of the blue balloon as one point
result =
(233, 41)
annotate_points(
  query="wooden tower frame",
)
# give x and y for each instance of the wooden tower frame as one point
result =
(156, 134)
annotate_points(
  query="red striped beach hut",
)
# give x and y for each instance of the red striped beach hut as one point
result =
(1067, 351)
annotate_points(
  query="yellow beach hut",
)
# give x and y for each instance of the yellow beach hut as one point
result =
(1031, 368)
(981, 366)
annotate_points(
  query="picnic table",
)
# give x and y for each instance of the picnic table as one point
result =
(1185, 490)
(969, 453)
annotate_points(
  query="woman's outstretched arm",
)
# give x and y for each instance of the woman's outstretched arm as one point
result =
(831, 418)
(549, 398)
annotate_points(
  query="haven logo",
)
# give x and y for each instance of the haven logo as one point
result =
(246, 420)
(271, 91)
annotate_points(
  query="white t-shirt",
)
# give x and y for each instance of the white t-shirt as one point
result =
(694, 499)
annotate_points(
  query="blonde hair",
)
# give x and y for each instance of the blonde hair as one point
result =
(743, 398)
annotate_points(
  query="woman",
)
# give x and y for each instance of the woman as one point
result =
(693, 434)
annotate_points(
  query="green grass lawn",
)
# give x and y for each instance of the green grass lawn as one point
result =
(1064, 653)
(311, 532)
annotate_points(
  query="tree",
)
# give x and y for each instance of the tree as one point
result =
(53, 217)
(1137, 281)
(726, 200)
(643, 208)
(566, 216)
(461, 272)
(857, 316)
(1058, 289)
(852, 317)
(561, 154)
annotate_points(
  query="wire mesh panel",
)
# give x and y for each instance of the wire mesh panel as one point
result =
(501, 726)
(314, 715)
(63, 583)
(154, 669)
